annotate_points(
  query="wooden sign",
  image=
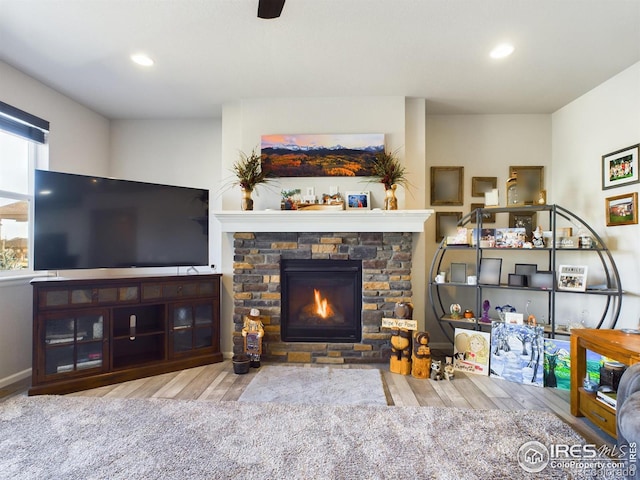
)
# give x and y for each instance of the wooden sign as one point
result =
(399, 323)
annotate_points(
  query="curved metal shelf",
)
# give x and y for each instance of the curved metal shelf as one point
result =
(612, 289)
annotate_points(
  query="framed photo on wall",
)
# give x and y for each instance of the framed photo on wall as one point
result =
(447, 185)
(446, 222)
(622, 209)
(530, 182)
(482, 185)
(487, 217)
(620, 167)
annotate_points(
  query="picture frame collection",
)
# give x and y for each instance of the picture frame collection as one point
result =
(447, 184)
(620, 168)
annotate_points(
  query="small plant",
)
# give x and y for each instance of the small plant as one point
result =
(248, 171)
(389, 171)
(9, 260)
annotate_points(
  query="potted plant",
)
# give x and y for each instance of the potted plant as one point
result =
(388, 170)
(249, 174)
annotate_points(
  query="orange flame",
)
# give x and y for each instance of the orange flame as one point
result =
(322, 305)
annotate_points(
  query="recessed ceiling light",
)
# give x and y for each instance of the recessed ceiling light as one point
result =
(501, 51)
(142, 59)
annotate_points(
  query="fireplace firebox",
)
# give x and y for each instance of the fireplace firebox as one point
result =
(321, 300)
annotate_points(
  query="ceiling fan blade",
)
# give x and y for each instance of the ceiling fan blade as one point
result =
(270, 8)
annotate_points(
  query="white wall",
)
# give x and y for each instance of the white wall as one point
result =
(604, 120)
(485, 145)
(184, 152)
(79, 137)
(78, 142)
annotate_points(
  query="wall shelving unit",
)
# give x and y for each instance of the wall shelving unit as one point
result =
(603, 280)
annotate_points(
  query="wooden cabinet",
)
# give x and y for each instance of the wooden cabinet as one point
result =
(93, 332)
(614, 344)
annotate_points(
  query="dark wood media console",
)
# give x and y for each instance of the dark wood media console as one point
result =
(93, 332)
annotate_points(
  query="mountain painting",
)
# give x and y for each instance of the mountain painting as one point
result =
(322, 155)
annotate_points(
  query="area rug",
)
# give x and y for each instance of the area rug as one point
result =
(316, 385)
(80, 438)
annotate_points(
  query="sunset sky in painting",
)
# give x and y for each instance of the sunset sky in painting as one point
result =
(355, 141)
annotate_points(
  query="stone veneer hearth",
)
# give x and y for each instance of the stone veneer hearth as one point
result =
(386, 275)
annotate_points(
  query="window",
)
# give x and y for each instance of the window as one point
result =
(22, 149)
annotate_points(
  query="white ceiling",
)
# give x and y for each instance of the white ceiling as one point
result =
(209, 52)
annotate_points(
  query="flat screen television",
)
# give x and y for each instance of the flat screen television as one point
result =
(86, 222)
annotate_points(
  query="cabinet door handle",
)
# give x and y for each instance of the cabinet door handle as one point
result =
(599, 417)
(132, 327)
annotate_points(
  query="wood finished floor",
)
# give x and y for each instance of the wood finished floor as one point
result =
(218, 383)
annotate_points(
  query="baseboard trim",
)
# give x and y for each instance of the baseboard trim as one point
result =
(16, 377)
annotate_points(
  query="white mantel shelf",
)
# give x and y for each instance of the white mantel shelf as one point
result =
(323, 220)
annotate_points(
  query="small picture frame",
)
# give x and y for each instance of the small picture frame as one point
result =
(572, 277)
(518, 280)
(482, 185)
(358, 200)
(622, 209)
(487, 217)
(542, 280)
(620, 167)
(490, 270)
(458, 273)
(526, 269)
(447, 185)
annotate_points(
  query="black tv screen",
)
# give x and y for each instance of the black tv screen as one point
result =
(83, 222)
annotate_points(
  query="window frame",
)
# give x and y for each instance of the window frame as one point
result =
(33, 130)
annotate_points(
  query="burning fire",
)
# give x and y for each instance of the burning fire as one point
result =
(323, 308)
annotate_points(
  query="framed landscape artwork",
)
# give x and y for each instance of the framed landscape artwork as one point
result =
(321, 155)
(517, 353)
(620, 167)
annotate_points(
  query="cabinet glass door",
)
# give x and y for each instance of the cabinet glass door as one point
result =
(73, 342)
(192, 327)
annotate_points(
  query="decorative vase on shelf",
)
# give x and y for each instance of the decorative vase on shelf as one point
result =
(247, 201)
(390, 200)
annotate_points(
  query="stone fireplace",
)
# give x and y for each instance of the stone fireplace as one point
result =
(380, 243)
(386, 279)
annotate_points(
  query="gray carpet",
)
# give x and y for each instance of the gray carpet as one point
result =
(316, 385)
(51, 437)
